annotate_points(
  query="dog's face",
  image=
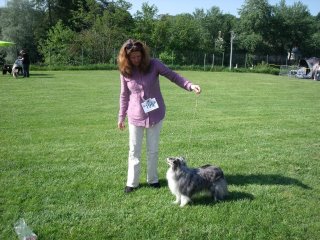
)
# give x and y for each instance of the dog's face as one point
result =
(176, 162)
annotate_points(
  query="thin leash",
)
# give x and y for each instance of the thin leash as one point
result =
(191, 128)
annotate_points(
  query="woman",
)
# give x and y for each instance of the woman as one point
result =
(141, 100)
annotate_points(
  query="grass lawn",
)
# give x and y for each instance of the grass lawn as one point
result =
(63, 162)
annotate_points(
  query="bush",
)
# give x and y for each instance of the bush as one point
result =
(260, 68)
(44, 67)
(266, 68)
(167, 58)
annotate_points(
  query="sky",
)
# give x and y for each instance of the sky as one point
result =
(174, 7)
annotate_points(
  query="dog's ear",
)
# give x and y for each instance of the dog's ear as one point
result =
(182, 160)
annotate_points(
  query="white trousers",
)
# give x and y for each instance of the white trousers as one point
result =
(135, 145)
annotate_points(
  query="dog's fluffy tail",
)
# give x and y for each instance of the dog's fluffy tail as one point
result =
(220, 189)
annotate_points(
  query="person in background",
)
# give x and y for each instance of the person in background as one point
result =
(25, 63)
(142, 102)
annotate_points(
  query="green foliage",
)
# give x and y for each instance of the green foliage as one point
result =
(109, 31)
(183, 33)
(296, 26)
(21, 24)
(3, 55)
(85, 15)
(210, 24)
(56, 48)
(59, 10)
(260, 68)
(167, 57)
(251, 42)
(101, 27)
(145, 23)
(254, 25)
(63, 161)
(74, 68)
(313, 42)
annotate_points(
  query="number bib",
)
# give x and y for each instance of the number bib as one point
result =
(149, 105)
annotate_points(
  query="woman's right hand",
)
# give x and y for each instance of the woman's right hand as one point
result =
(196, 88)
(121, 125)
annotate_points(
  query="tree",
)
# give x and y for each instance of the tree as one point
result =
(254, 26)
(108, 32)
(97, 29)
(183, 37)
(292, 27)
(21, 24)
(86, 14)
(314, 43)
(160, 34)
(58, 10)
(211, 24)
(116, 24)
(205, 41)
(56, 48)
(145, 23)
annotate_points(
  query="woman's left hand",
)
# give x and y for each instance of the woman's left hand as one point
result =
(196, 88)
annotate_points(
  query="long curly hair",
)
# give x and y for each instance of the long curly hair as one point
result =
(124, 64)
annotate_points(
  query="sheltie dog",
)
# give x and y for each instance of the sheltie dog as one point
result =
(184, 182)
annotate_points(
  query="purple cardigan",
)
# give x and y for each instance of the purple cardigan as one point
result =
(139, 87)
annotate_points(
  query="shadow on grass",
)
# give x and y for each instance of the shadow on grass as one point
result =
(33, 75)
(233, 196)
(241, 180)
(264, 179)
(162, 182)
(42, 75)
